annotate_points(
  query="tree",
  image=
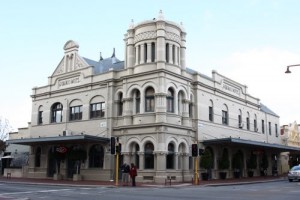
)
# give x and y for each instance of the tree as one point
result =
(5, 128)
(224, 160)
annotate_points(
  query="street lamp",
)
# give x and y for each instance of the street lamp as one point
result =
(288, 68)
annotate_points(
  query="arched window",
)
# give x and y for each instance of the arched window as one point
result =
(97, 107)
(191, 106)
(170, 156)
(152, 52)
(149, 100)
(225, 120)
(120, 104)
(211, 111)
(96, 156)
(255, 123)
(40, 115)
(139, 54)
(240, 119)
(145, 53)
(149, 156)
(137, 101)
(173, 53)
(170, 100)
(248, 121)
(38, 153)
(167, 52)
(56, 113)
(75, 110)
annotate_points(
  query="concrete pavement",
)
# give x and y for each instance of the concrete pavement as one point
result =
(87, 183)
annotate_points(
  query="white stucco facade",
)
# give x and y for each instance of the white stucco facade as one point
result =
(153, 103)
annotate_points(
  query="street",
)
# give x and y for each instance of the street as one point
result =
(266, 191)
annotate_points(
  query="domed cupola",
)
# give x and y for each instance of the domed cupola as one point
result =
(155, 44)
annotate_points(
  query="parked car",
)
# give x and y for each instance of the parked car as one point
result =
(294, 173)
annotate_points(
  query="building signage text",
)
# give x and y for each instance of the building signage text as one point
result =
(67, 82)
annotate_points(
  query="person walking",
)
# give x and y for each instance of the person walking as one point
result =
(133, 174)
(125, 171)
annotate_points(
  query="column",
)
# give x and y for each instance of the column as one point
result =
(176, 55)
(127, 111)
(148, 52)
(136, 55)
(185, 112)
(170, 53)
(182, 50)
(141, 160)
(142, 54)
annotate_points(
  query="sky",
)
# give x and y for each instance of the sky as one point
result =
(249, 41)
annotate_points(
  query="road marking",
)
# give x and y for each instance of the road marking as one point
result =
(30, 192)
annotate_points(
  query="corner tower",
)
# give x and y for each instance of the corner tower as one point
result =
(155, 44)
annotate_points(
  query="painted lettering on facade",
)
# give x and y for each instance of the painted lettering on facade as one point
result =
(231, 89)
(67, 82)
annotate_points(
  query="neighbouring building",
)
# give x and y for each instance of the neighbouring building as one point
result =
(155, 105)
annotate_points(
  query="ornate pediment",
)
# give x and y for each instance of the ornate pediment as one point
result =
(71, 61)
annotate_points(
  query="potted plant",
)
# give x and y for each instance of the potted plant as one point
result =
(223, 164)
(237, 164)
(251, 165)
(264, 165)
(206, 162)
(58, 156)
(78, 155)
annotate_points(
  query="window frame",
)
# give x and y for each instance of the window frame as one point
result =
(75, 113)
(97, 113)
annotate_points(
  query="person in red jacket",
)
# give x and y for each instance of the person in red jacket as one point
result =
(133, 173)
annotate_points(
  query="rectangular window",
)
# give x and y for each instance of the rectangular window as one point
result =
(224, 117)
(210, 115)
(255, 126)
(248, 123)
(276, 130)
(75, 113)
(240, 121)
(262, 126)
(190, 110)
(40, 117)
(149, 104)
(270, 129)
(97, 110)
(137, 105)
(170, 105)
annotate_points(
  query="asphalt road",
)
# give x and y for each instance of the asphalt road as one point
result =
(264, 191)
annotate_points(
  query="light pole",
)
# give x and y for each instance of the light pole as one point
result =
(288, 68)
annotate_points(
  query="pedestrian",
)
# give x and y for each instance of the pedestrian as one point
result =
(133, 173)
(125, 171)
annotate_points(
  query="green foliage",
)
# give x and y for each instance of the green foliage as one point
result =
(77, 154)
(206, 160)
(264, 162)
(224, 160)
(237, 161)
(252, 162)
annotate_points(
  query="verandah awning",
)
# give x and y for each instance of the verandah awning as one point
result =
(59, 139)
(240, 142)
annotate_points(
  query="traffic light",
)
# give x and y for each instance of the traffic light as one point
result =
(194, 150)
(113, 145)
(119, 148)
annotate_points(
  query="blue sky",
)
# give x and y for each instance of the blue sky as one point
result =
(249, 41)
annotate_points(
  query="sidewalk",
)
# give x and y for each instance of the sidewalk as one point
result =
(87, 183)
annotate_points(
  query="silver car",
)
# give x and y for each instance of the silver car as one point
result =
(294, 173)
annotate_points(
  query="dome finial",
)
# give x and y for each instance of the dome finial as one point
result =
(161, 15)
(131, 25)
(101, 56)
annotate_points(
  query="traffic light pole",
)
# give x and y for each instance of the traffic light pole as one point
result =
(117, 168)
(196, 171)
